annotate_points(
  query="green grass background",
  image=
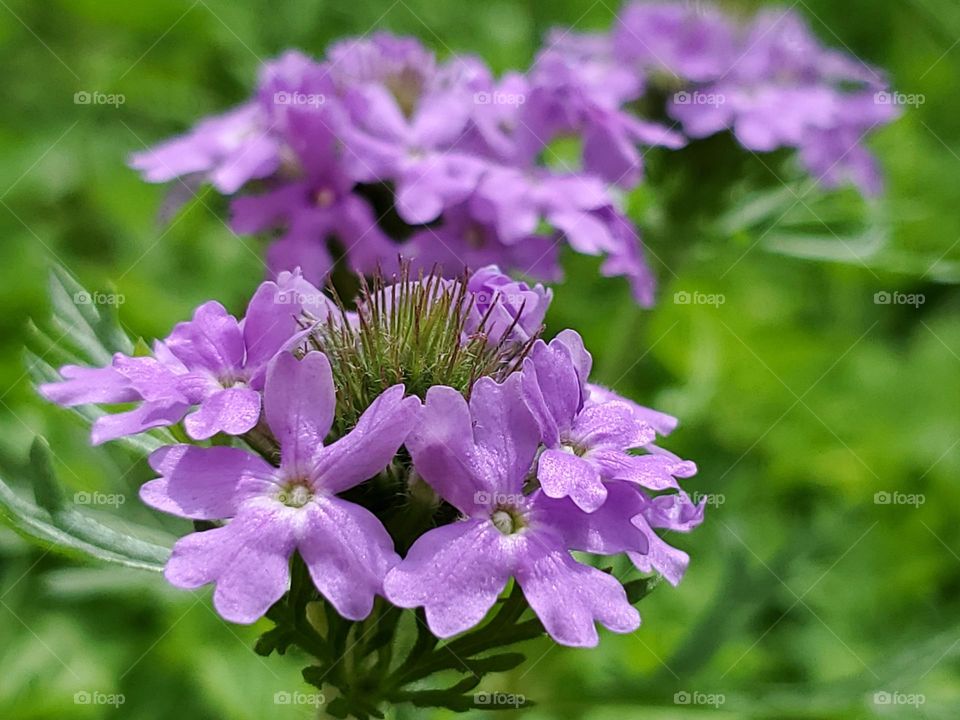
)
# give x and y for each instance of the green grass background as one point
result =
(800, 397)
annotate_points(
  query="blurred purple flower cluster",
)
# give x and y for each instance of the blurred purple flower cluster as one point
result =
(769, 81)
(379, 150)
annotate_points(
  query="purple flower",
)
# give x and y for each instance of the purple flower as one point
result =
(784, 90)
(507, 305)
(578, 206)
(407, 116)
(587, 441)
(462, 241)
(695, 44)
(315, 208)
(213, 363)
(577, 92)
(477, 457)
(228, 150)
(274, 511)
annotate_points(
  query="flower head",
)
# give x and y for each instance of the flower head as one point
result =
(477, 457)
(273, 511)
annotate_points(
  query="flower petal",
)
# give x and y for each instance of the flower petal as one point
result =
(441, 445)
(233, 411)
(455, 572)
(611, 424)
(348, 553)
(248, 559)
(505, 431)
(211, 340)
(563, 474)
(371, 445)
(299, 403)
(569, 597)
(204, 483)
(82, 385)
(148, 415)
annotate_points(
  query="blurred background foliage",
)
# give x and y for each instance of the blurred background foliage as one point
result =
(800, 397)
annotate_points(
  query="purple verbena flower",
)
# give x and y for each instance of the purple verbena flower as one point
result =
(505, 305)
(213, 363)
(587, 440)
(273, 511)
(477, 457)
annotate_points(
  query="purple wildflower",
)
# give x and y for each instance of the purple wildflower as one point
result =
(692, 44)
(477, 458)
(274, 511)
(507, 305)
(213, 363)
(588, 438)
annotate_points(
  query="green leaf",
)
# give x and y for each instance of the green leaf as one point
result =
(58, 526)
(83, 332)
(46, 489)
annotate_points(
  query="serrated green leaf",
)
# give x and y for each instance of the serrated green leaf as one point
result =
(70, 532)
(80, 332)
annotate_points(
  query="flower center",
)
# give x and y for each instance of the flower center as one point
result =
(507, 520)
(573, 448)
(295, 494)
(324, 197)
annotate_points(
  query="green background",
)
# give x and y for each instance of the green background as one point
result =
(800, 397)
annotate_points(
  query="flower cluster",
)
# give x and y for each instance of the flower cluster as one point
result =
(380, 151)
(769, 81)
(332, 425)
